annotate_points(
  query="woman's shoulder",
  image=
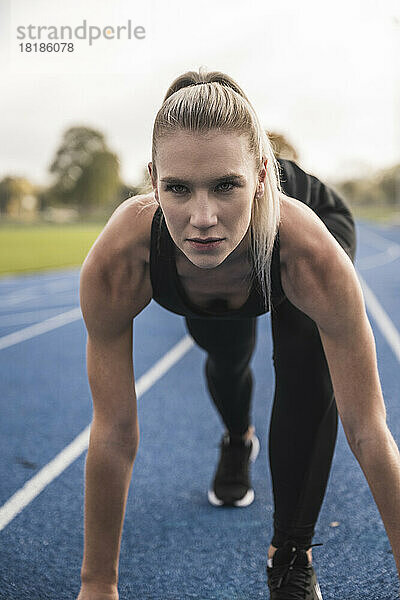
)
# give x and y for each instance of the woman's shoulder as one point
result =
(127, 232)
(308, 252)
(132, 219)
(299, 229)
(118, 261)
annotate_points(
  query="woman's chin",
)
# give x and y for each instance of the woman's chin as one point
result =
(205, 262)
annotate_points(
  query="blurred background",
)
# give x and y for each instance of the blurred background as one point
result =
(76, 125)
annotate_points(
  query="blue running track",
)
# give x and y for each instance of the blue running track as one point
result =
(175, 545)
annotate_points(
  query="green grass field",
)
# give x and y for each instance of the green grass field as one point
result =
(377, 214)
(38, 247)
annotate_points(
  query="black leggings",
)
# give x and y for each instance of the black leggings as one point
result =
(304, 419)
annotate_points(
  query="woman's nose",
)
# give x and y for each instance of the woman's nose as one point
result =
(203, 214)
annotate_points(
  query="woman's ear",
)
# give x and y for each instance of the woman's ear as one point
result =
(260, 189)
(150, 169)
(262, 175)
(263, 171)
(153, 182)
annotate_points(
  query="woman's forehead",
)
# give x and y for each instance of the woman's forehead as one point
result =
(210, 151)
(213, 136)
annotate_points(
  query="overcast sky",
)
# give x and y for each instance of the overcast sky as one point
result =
(327, 77)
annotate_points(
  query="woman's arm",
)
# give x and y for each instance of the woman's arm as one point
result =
(322, 282)
(112, 292)
(114, 441)
(349, 347)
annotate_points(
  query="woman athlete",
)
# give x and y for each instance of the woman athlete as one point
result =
(228, 233)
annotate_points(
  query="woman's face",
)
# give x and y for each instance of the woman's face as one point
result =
(205, 185)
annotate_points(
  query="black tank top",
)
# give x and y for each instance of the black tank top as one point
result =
(167, 287)
(169, 292)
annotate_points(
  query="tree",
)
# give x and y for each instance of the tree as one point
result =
(17, 197)
(98, 185)
(381, 188)
(86, 172)
(390, 184)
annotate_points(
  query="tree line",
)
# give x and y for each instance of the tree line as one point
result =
(86, 179)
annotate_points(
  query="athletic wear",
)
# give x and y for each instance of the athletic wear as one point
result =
(304, 418)
(167, 288)
(231, 485)
(292, 576)
(169, 292)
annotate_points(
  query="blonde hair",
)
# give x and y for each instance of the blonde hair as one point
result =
(206, 101)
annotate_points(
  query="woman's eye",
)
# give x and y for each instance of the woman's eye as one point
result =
(226, 186)
(176, 189)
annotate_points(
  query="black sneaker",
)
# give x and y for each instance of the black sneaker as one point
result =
(292, 576)
(231, 484)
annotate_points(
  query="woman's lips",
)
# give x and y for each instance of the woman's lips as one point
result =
(205, 245)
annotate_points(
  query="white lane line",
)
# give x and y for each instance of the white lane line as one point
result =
(390, 250)
(34, 486)
(66, 301)
(391, 254)
(55, 274)
(381, 318)
(376, 239)
(19, 298)
(66, 457)
(37, 291)
(23, 318)
(163, 365)
(33, 330)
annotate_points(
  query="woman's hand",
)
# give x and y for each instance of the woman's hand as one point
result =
(97, 596)
(96, 593)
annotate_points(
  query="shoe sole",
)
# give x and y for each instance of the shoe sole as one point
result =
(255, 448)
(315, 590)
(249, 496)
(245, 501)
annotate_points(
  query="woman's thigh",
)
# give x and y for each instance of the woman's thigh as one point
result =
(301, 370)
(228, 340)
(302, 377)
